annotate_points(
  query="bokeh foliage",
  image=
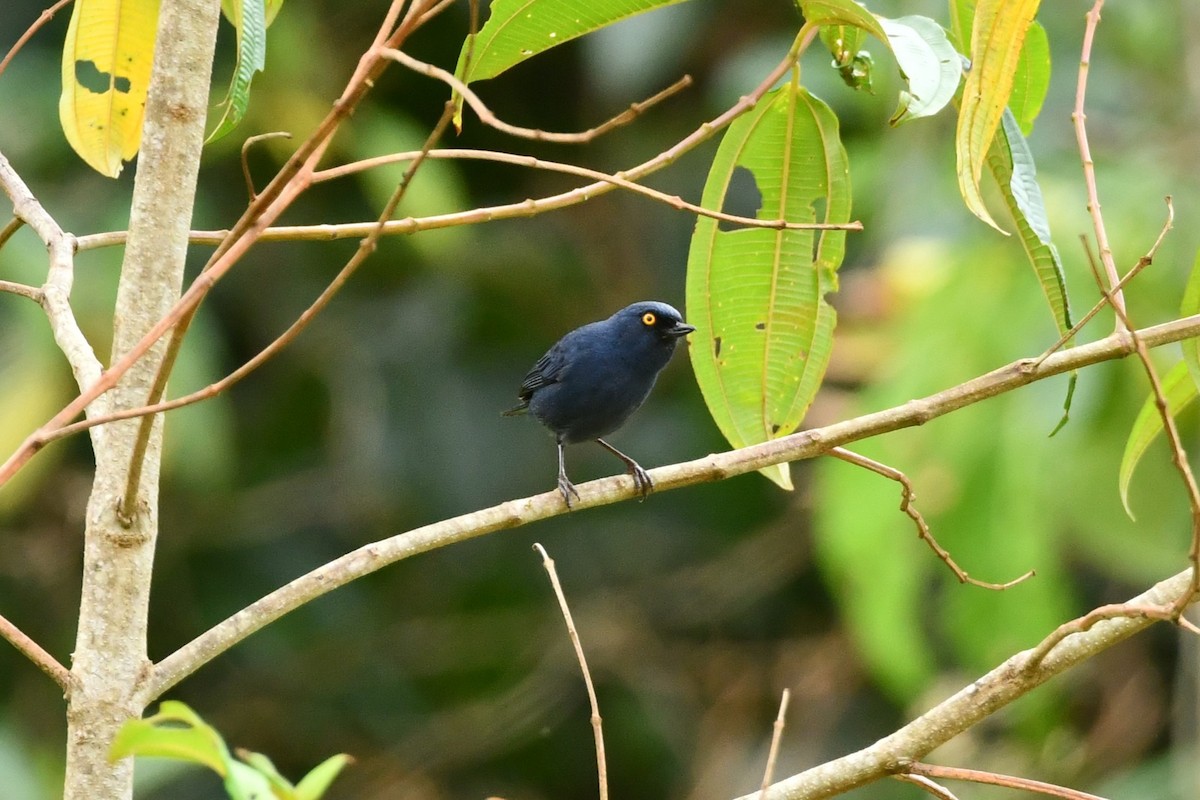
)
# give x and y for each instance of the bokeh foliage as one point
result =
(450, 676)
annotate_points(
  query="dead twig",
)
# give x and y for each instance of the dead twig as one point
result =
(246, 145)
(932, 787)
(597, 724)
(35, 653)
(919, 769)
(32, 292)
(776, 738)
(907, 497)
(1163, 613)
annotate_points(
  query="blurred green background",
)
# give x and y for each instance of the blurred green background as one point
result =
(451, 675)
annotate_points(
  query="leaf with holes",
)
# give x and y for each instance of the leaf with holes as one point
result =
(106, 65)
(757, 296)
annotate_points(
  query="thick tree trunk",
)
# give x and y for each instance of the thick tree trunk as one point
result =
(110, 651)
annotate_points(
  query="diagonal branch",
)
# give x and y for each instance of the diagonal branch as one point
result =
(35, 653)
(995, 779)
(515, 513)
(896, 752)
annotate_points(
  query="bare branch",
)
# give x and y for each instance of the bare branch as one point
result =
(898, 751)
(776, 738)
(1079, 118)
(246, 145)
(31, 292)
(597, 723)
(42, 19)
(35, 653)
(715, 467)
(930, 786)
(996, 779)
(15, 224)
(491, 120)
(907, 498)
(1111, 611)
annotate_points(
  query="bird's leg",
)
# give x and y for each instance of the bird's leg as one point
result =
(564, 483)
(641, 479)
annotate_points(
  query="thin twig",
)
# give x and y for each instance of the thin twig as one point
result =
(1079, 119)
(530, 162)
(933, 787)
(491, 120)
(34, 293)
(776, 738)
(42, 19)
(597, 723)
(798, 446)
(907, 498)
(15, 224)
(1111, 611)
(35, 653)
(246, 145)
(1170, 429)
(995, 779)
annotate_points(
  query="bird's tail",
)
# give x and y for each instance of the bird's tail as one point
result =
(517, 410)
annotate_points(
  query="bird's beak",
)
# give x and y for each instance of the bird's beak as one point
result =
(680, 329)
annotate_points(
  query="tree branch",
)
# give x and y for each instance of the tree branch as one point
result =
(515, 513)
(896, 752)
(35, 653)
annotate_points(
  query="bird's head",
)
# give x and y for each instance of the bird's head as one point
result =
(653, 319)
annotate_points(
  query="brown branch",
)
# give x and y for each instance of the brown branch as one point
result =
(995, 779)
(15, 224)
(1079, 118)
(35, 653)
(1009, 681)
(42, 19)
(1089, 620)
(246, 145)
(573, 633)
(715, 467)
(530, 162)
(776, 738)
(491, 120)
(1170, 429)
(907, 497)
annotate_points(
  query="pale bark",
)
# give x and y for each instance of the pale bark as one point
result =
(110, 651)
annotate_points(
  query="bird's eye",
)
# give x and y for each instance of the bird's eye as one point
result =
(649, 319)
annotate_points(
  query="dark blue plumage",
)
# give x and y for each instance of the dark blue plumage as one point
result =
(595, 377)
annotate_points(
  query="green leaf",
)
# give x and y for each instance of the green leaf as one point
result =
(520, 29)
(1180, 390)
(244, 782)
(997, 36)
(249, 18)
(928, 62)
(313, 785)
(174, 732)
(1031, 80)
(757, 296)
(1190, 306)
(841, 12)
(280, 785)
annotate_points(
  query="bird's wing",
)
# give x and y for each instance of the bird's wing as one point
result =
(546, 371)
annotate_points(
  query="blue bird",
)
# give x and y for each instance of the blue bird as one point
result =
(595, 377)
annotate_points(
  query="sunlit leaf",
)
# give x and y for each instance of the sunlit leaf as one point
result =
(1180, 390)
(317, 782)
(244, 782)
(756, 295)
(928, 62)
(250, 20)
(520, 29)
(997, 36)
(174, 732)
(106, 64)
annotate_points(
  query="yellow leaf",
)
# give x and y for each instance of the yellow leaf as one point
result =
(997, 36)
(105, 74)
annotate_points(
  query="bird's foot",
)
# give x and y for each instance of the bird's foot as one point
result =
(641, 480)
(567, 489)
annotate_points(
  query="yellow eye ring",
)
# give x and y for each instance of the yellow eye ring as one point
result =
(649, 318)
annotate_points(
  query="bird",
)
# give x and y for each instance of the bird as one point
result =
(590, 382)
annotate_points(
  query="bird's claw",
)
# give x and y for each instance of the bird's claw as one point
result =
(641, 480)
(566, 488)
